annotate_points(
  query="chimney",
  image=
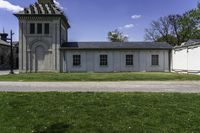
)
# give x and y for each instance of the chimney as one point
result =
(3, 36)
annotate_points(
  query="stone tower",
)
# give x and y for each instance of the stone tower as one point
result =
(42, 30)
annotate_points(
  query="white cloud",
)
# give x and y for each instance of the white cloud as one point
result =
(126, 35)
(58, 4)
(9, 6)
(136, 16)
(128, 26)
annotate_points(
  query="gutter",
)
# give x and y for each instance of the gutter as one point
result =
(62, 48)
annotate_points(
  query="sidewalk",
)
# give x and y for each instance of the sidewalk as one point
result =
(6, 72)
(137, 86)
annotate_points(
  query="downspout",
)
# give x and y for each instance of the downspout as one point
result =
(187, 61)
(60, 33)
(22, 47)
(170, 60)
(60, 46)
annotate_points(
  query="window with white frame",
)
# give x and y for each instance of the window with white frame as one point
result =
(129, 60)
(154, 60)
(76, 60)
(103, 60)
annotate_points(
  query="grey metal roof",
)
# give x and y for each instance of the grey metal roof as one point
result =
(116, 45)
(190, 42)
(15, 43)
(3, 43)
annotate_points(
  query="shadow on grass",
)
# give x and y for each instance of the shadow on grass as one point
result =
(54, 128)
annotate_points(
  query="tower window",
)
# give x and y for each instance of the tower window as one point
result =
(39, 28)
(32, 28)
(46, 28)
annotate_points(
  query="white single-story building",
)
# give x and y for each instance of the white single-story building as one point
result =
(44, 46)
(185, 57)
(116, 57)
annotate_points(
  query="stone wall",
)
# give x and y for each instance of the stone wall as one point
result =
(48, 59)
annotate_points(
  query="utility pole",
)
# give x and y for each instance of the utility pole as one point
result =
(11, 52)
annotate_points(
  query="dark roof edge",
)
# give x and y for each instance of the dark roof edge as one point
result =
(112, 45)
(114, 42)
(66, 48)
(186, 46)
(41, 15)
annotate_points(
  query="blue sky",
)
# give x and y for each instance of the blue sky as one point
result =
(91, 20)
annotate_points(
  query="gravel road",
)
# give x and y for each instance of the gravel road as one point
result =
(129, 86)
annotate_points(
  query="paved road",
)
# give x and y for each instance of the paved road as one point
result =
(154, 86)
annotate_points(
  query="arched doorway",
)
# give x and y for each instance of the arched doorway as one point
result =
(40, 58)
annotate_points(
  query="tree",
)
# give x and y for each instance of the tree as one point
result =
(171, 40)
(195, 17)
(116, 36)
(175, 24)
(175, 29)
(158, 29)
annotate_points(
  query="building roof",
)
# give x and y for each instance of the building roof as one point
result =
(15, 43)
(191, 42)
(2, 42)
(41, 8)
(116, 45)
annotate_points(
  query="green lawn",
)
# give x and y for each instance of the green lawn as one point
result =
(99, 112)
(98, 77)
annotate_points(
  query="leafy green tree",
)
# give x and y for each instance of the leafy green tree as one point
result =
(116, 36)
(170, 39)
(176, 29)
(195, 16)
